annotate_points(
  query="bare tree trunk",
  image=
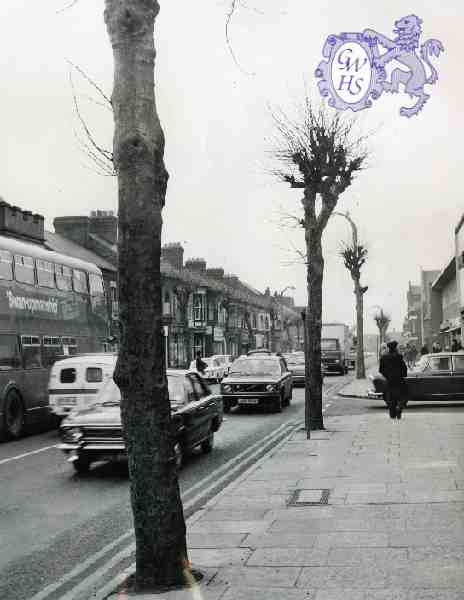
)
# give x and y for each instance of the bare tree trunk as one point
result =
(360, 366)
(315, 273)
(161, 554)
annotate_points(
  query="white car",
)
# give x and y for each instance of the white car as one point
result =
(215, 371)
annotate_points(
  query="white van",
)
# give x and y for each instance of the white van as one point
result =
(75, 381)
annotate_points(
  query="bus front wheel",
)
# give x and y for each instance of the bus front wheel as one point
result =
(13, 415)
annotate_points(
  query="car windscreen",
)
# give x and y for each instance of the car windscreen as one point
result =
(295, 360)
(329, 344)
(179, 390)
(255, 366)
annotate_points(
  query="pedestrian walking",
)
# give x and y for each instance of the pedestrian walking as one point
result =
(436, 347)
(200, 364)
(393, 368)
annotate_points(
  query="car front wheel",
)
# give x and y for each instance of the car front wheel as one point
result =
(278, 402)
(208, 444)
(82, 465)
(178, 455)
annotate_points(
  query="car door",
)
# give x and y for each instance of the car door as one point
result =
(458, 376)
(198, 412)
(436, 379)
(286, 378)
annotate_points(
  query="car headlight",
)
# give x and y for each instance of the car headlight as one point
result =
(73, 434)
(226, 388)
(337, 361)
(270, 387)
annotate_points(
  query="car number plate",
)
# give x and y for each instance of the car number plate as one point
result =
(67, 401)
(248, 400)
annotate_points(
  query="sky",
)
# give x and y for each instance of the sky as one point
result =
(222, 202)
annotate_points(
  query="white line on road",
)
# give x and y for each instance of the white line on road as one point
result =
(6, 460)
(282, 429)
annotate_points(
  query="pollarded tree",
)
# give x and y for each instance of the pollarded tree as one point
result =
(318, 153)
(138, 150)
(382, 320)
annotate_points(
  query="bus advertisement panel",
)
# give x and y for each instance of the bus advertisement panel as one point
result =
(51, 306)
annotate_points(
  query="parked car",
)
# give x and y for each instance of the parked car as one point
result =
(435, 377)
(257, 380)
(225, 360)
(296, 365)
(259, 351)
(215, 370)
(75, 381)
(95, 434)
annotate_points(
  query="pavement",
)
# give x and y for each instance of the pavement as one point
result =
(369, 509)
(357, 388)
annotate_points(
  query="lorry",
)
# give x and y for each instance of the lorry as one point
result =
(335, 348)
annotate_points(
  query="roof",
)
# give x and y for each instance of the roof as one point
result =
(59, 243)
(48, 254)
(447, 275)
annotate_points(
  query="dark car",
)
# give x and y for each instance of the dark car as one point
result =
(435, 377)
(96, 434)
(257, 380)
(296, 365)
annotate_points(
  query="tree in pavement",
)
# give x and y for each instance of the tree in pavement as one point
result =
(138, 150)
(318, 153)
(382, 320)
(354, 257)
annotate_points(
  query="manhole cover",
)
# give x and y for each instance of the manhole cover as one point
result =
(308, 497)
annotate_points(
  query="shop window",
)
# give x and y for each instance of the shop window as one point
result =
(80, 281)
(63, 276)
(96, 284)
(6, 265)
(31, 351)
(24, 269)
(69, 345)
(9, 353)
(45, 273)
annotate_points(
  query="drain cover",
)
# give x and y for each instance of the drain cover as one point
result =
(307, 497)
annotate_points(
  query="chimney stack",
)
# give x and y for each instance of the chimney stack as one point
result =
(173, 254)
(216, 273)
(198, 265)
(104, 224)
(75, 229)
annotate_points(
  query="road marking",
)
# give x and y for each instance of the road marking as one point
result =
(102, 592)
(6, 460)
(46, 592)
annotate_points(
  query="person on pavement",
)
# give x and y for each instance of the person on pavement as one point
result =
(424, 350)
(200, 364)
(393, 368)
(455, 345)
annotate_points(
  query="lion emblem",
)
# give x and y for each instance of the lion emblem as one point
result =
(403, 49)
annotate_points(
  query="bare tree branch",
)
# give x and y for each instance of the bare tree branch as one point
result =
(230, 14)
(67, 7)
(91, 81)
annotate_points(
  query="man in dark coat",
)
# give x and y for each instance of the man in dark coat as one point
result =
(393, 368)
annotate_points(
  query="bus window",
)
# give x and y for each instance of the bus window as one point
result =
(50, 350)
(45, 276)
(63, 278)
(9, 352)
(30, 345)
(24, 269)
(96, 284)
(80, 282)
(6, 265)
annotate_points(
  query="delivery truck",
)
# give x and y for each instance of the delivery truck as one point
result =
(335, 348)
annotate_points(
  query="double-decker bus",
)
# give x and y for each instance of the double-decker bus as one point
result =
(50, 305)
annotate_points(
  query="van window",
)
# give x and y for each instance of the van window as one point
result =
(24, 269)
(45, 273)
(31, 351)
(9, 353)
(80, 282)
(6, 265)
(93, 375)
(68, 375)
(63, 277)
